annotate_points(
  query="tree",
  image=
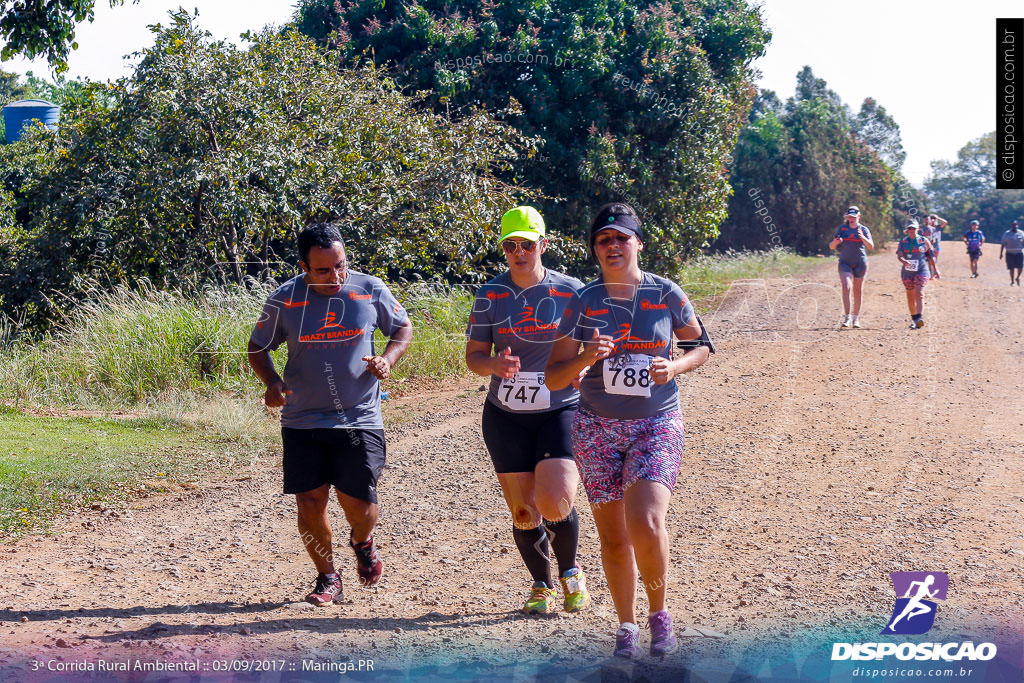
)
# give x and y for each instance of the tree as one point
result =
(635, 101)
(34, 28)
(204, 164)
(879, 131)
(955, 187)
(965, 189)
(797, 167)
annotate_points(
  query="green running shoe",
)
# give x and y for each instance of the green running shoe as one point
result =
(541, 600)
(574, 588)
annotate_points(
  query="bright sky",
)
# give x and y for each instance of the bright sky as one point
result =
(931, 64)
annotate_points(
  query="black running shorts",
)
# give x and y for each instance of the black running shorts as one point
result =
(518, 441)
(349, 459)
(1014, 260)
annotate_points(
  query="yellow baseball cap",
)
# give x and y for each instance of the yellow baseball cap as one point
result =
(522, 221)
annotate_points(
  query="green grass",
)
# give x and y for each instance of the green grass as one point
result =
(128, 349)
(51, 465)
(707, 277)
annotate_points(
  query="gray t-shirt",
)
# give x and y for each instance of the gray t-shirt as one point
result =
(620, 387)
(852, 250)
(327, 337)
(1013, 241)
(916, 251)
(525, 320)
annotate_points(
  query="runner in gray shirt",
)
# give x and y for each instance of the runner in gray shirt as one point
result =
(1013, 244)
(526, 425)
(331, 423)
(852, 240)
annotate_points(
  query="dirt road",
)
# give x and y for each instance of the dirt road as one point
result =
(818, 461)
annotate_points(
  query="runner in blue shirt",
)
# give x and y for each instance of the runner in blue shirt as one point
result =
(331, 423)
(852, 240)
(526, 425)
(918, 259)
(974, 238)
(627, 436)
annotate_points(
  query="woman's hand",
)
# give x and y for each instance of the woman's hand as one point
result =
(663, 370)
(505, 365)
(599, 347)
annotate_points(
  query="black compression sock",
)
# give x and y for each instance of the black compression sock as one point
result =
(533, 546)
(565, 537)
(915, 317)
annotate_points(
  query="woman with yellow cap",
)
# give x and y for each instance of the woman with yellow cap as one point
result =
(526, 425)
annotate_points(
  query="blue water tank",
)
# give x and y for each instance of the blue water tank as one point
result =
(19, 114)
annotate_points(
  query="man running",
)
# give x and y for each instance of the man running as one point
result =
(936, 224)
(331, 423)
(1013, 243)
(974, 238)
(850, 239)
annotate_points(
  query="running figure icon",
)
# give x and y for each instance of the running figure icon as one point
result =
(916, 593)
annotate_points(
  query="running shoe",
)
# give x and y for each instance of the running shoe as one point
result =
(627, 642)
(856, 323)
(663, 638)
(325, 591)
(920, 323)
(574, 590)
(913, 325)
(541, 600)
(368, 564)
(846, 322)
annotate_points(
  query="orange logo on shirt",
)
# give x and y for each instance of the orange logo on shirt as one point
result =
(337, 331)
(497, 295)
(590, 311)
(294, 304)
(359, 297)
(648, 306)
(554, 292)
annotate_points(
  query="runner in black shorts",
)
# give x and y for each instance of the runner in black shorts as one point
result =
(526, 426)
(331, 423)
(974, 238)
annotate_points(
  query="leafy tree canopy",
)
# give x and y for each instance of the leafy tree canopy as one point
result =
(634, 101)
(799, 165)
(205, 162)
(43, 28)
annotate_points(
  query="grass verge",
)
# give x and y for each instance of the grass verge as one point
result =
(50, 465)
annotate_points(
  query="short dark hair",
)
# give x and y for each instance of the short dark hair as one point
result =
(322, 235)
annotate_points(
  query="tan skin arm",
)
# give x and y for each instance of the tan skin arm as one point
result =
(480, 360)
(380, 366)
(567, 362)
(263, 366)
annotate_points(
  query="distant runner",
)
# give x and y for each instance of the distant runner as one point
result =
(852, 240)
(935, 226)
(974, 238)
(916, 255)
(1013, 243)
(526, 424)
(331, 422)
(627, 435)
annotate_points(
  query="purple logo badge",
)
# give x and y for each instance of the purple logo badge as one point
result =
(914, 612)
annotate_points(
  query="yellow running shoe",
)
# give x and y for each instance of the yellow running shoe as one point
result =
(574, 588)
(541, 600)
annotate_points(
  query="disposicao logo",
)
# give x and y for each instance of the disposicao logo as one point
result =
(914, 614)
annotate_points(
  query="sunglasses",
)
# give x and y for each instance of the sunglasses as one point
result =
(527, 246)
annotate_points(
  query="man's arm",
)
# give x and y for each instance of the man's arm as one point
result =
(380, 366)
(263, 366)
